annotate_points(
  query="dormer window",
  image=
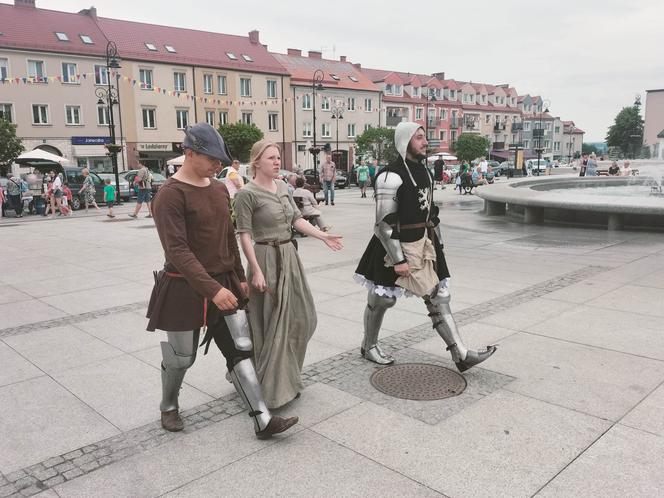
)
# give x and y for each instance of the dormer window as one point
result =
(334, 77)
(247, 58)
(86, 39)
(388, 89)
(170, 48)
(62, 36)
(151, 47)
(231, 56)
(353, 78)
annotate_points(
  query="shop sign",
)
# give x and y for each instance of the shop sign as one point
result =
(154, 147)
(90, 140)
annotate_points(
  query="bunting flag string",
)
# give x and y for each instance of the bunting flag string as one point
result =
(127, 80)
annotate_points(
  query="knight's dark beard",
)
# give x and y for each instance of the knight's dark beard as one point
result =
(418, 157)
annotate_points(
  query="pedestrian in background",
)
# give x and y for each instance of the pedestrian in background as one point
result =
(362, 173)
(329, 176)
(14, 194)
(88, 190)
(143, 180)
(109, 197)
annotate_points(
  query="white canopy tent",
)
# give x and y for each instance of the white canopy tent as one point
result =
(176, 161)
(443, 155)
(40, 157)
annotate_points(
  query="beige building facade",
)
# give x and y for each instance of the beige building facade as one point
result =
(653, 132)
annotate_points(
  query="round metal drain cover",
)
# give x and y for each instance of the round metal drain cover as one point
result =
(418, 381)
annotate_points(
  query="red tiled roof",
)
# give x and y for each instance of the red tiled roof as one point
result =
(200, 48)
(302, 70)
(34, 29)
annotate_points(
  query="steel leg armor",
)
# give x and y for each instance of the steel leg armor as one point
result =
(178, 355)
(443, 322)
(373, 319)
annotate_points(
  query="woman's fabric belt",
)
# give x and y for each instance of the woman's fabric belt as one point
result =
(274, 243)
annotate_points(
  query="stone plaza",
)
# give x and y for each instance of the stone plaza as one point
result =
(570, 405)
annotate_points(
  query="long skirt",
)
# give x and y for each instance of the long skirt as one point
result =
(282, 320)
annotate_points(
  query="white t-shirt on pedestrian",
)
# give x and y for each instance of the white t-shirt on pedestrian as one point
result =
(484, 167)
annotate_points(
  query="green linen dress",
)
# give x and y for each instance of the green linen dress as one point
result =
(283, 318)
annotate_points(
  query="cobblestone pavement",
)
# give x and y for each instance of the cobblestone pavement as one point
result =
(347, 372)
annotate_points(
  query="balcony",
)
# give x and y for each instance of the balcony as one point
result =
(498, 127)
(433, 122)
(454, 123)
(517, 127)
(393, 120)
(498, 146)
(538, 133)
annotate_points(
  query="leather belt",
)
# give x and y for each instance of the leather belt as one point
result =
(426, 224)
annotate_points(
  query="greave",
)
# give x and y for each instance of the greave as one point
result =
(373, 320)
(171, 382)
(174, 365)
(246, 384)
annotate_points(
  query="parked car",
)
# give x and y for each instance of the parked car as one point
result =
(74, 178)
(340, 183)
(125, 189)
(500, 169)
(531, 165)
(157, 180)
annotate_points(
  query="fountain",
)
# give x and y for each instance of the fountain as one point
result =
(614, 202)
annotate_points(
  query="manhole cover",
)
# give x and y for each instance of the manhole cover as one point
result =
(418, 381)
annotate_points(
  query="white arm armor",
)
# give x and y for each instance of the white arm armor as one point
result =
(387, 206)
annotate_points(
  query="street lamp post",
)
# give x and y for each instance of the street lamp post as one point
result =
(110, 97)
(316, 84)
(540, 133)
(337, 114)
(430, 98)
(637, 105)
(569, 145)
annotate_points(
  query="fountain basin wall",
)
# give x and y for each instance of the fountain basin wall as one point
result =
(568, 200)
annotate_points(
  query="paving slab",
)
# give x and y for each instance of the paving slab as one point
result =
(633, 298)
(317, 351)
(527, 314)
(475, 336)
(604, 328)
(293, 468)
(27, 311)
(586, 290)
(512, 452)
(603, 383)
(624, 462)
(125, 331)
(99, 298)
(79, 281)
(39, 419)
(10, 294)
(124, 390)
(61, 348)
(15, 368)
(647, 415)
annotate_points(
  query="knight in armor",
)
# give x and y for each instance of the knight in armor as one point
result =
(203, 288)
(405, 256)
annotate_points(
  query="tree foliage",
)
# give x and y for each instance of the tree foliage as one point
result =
(239, 138)
(470, 146)
(587, 148)
(379, 143)
(11, 146)
(627, 131)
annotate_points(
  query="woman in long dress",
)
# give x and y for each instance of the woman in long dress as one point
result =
(281, 309)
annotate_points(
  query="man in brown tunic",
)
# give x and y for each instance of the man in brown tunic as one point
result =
(203, 284)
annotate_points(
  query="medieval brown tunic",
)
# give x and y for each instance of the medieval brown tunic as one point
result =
(197, 235)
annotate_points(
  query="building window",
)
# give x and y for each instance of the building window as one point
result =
(367, 127)
(40, 114)
(36, 69)
(4, 68)
(556, 146)
(61, 36)
(351, 130)
(245, 87)
(306, 101)
(180, 82)
(101, 75)
(547, 144)
(453, 94)
(247, 58)
(69, 72)
(207, 83)
(418, 113)
(398, 90)
(306, 130)
(453, 136)
(487, 118)
(209, 117)
(443, 114)
(223, 118)
(271, 89)
(6, 112)
(526, 126)
(388, 89)
(145, 77)
(170, 48)
(526, 144)
(221, 85)
(149, 118)
(102, 115)
(86, 39)
(351, 104)
(181, 118)
(231, 56)
(368, 105)
(73, 115)
(431, 134)
(325, 103)
(247, 117)
(325, 130)
(442, 135)
(273, 121)
(151, 47)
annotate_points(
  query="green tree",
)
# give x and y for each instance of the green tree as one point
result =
(239, 138)
(627, 131)
(587, 148)
(379, 143)
(10, 145)
(470, 146)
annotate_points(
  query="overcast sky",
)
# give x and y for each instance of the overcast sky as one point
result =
(589, 58)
